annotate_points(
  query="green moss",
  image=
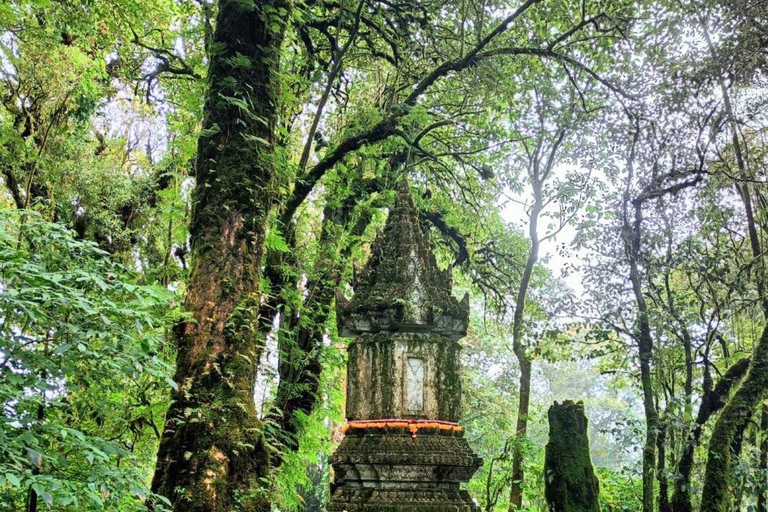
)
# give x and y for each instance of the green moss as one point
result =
(725, 442)
(571, 484)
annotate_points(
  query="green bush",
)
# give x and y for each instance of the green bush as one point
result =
(84, 372)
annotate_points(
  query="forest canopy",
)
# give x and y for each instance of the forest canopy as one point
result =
(188, 187)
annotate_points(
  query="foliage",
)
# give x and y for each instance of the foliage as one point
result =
(85, 371)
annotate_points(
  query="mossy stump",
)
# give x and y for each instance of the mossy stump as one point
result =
(403, 450)
(570, 481)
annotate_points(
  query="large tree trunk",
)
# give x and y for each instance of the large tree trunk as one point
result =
(212, 455)
(729, 428)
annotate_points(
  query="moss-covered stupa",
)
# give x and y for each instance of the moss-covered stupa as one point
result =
(403, 450)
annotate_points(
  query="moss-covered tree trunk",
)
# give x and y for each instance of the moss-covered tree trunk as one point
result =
(570, 481)
(729, 428)
(301, 340)
(712, 401)
(301, 346)
(661, 468)
(728, 431)
(212, 455)
(518, 475)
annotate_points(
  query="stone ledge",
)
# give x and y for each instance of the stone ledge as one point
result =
(401, 500)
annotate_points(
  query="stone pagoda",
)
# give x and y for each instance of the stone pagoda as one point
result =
(403, 450)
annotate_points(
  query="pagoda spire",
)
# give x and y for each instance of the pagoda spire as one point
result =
(401, 288)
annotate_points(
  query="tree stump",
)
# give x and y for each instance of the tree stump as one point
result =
(570, 481)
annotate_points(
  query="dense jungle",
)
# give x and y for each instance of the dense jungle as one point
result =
(189, 187)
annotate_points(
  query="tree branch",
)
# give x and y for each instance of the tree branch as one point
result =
(437, 220)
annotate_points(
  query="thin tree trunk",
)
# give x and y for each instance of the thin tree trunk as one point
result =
(762, 502)
(516, 493)
(32, 497)
(661, 468)
(632, 238)
(632, 235)
(538, 175)
(523, 359)
(645, 354)
(651, 422)
(212, 455)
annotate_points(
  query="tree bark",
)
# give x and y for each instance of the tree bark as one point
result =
(212, 456)
(762, 502)
(712, 402)
(728, 430)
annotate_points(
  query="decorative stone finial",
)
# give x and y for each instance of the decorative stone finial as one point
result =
(401, 288)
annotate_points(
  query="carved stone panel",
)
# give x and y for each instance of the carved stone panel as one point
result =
(414, 384)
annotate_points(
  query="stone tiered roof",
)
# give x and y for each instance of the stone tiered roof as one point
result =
(401, 288)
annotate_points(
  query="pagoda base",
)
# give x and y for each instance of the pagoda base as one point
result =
(393, 469)
(401, 500)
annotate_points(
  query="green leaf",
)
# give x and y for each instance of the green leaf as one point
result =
(172, 383)
(254, 138)
(13, 480)
(46, 497)
(275, 241)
